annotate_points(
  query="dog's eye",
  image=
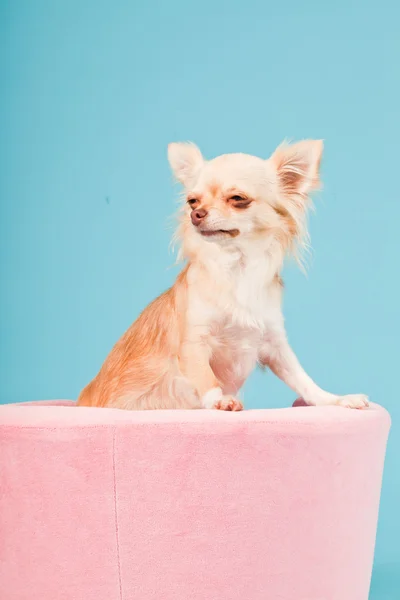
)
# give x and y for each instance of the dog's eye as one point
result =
(240, 201)
(192, 202)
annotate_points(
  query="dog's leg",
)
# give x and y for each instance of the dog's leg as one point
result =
(276, 353)
(195, 365)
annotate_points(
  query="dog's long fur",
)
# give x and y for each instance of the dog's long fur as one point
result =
(195, 345)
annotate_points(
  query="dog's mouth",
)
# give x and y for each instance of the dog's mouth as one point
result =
(219, 232)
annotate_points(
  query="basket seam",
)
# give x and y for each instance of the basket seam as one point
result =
(116, 516)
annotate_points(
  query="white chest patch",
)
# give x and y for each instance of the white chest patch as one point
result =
(240, 324)
(250, 301)
(240, 305)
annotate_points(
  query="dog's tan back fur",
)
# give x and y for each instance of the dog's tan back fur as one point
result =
(143, 366)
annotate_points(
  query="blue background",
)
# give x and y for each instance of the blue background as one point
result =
(92, 92)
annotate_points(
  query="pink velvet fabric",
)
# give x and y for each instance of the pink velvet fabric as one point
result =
(101, 504)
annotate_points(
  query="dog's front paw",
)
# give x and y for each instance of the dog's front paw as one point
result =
(228, 403)
(349, 401)
(353, 401)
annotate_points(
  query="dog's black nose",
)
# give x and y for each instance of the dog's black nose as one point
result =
(198, 215)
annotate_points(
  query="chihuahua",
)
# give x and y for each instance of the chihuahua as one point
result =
(195, 345)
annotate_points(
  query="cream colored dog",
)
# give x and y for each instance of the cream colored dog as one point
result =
(196, 344)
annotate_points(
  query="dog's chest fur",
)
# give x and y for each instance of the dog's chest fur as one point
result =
(244, 309)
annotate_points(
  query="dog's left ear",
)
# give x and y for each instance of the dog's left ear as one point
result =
(297, 166)
(186, 161)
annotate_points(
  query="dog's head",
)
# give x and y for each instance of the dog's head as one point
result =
(242, 198)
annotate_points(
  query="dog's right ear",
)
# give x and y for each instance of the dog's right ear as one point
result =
(186, 161)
